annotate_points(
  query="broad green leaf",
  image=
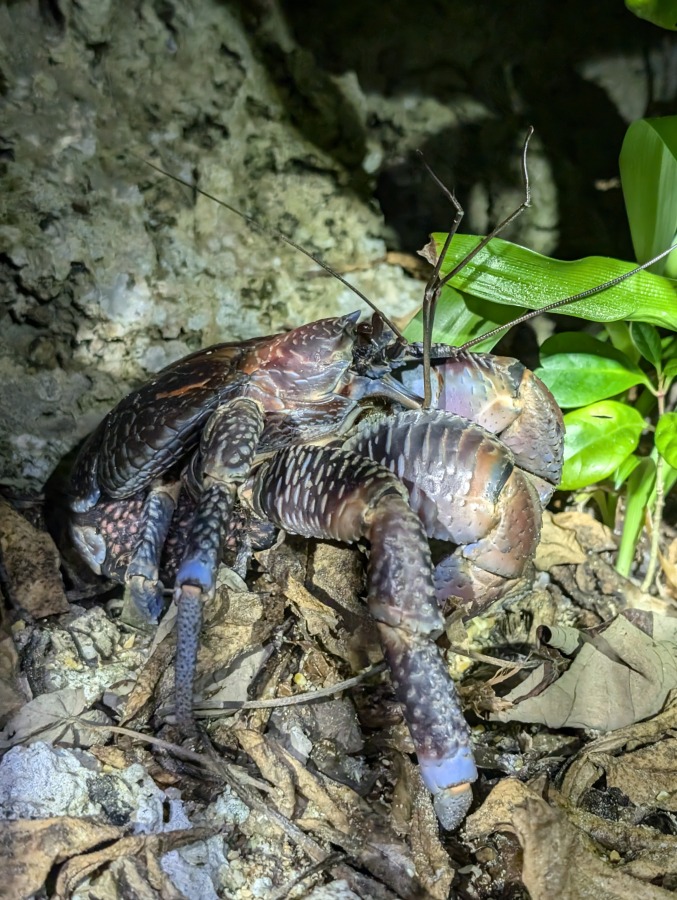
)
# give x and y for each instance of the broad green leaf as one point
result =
(459, 318)
(648, 167)
(578, 369)
(509, 274)
(598, 438)
(641, 484)
(648, 341)
(666, 437)
(659, 12)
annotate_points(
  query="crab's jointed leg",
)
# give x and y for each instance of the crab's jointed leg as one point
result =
(143, 570)
(227, 449)
(337, 494)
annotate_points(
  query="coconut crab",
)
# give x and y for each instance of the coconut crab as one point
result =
(339, 430)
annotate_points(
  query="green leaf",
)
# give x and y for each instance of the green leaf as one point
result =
(648, 165)
(598, 439)
(625, 470)
(641, 484)
(659, 12)
(459, 318)
(509, 274)
(648, 341)
(578, 369)
(666, 437)
(619, 335)
(669, 374)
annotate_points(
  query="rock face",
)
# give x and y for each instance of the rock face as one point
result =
(111, 271)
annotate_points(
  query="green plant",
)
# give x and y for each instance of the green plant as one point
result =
(613, 380)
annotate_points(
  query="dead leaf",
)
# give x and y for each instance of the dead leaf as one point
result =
(151, 846)
(271, 767)
(593, 535)
(31, 848)
(60, 717)
(140, 878)
(33, 564)
(619, 676)
(11, 698)
(431, 859)
(669, 566)
(387, 860)
(559, 860)
(648, 776)
(559, 545)
(232, 685)
(589, 765)
(316, 615)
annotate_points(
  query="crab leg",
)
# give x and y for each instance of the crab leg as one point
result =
(467, 491)
(329, 493)
(227, 449)
(143, 571)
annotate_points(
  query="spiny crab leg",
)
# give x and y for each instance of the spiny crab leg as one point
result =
(337, 494)
(227, 449)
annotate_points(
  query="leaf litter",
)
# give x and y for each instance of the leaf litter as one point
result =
(570, 690)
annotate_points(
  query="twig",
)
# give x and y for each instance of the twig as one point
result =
(210, 708)
(320, 866)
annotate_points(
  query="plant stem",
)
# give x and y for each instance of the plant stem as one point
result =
(656, 520)
(657, 516)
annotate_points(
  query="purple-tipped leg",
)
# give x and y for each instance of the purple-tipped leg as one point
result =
(227, 449)
(347, 497)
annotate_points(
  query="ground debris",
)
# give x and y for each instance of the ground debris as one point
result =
(326, 790)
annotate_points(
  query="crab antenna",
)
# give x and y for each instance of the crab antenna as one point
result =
(433, 287)
(435, 283)
(280, 235)
(567, 300)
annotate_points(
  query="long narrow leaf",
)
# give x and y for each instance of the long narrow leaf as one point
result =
(648, 165)
(509, 274)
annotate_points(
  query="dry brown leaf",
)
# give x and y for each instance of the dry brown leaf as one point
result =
(11, 698)
(140, 878)
(317, 616)
(59, 717)
(32, 564)
(648, 776)
(669, 566)
(575, 871)
(592, 534)
(313, 789)
(431, 859)
(271, 767)
(587, 767)
(31, 848)
(153, 670)
(559, 860)
(386, 859)
(559, 545)
(619, 676)
(151, 846)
